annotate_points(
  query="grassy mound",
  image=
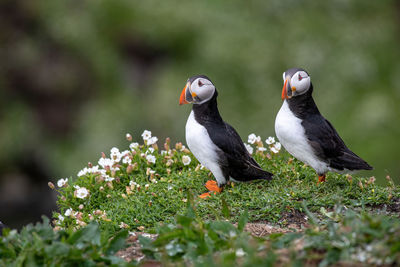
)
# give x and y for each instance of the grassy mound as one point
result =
(145, 185)
(156, 190)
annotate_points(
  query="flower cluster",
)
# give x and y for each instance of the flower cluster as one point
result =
(148, 139)
(255, 142)
(275, 147)
(109, 175)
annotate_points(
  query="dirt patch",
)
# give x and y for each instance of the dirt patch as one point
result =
(291, 222)
(392, 208)
(263, 229)
(134, 252)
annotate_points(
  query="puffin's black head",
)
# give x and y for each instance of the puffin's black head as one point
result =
(198, 89)
(296, 82)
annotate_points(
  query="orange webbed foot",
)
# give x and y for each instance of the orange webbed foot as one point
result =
(213, 186)
(321, 179)
(206, 195)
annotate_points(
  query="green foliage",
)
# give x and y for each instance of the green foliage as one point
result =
(191, 240)
(344, 236)
(139, 194)
(41, 245)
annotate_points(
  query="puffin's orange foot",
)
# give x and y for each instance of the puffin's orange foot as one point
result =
(208, 194)
(321, 179)
(205, 195)
(213, 186)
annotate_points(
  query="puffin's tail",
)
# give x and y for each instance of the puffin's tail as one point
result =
(259, 173)
(266, 175)
(351, 162)
(256, 173)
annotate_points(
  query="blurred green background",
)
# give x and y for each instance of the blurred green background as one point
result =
(75, 76)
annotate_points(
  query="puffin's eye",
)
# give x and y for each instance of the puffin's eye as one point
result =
(300, 78)
(200, 83)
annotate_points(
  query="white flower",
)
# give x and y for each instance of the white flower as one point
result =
(132, 146)
(270, 140)
(152, 140)
(146, 186)
(183, 148)
(94, 169)
(261, 148)
(252, 138)
(163, 152)
(104, 162)
(115, 154)
(125, 153)
(68, 212)
(276, 147)
(169, 187)
(62, 182)
(151, 159)
(128, 137)
(81, 192)
(132, 183)
(127, 160)
(249, 148)
(83, 172)
(108, 179)
(150, 150)
(60, 218)
(186, 160)
(116, 157)
(240, 252)
(146, 135)
(87, 170)
(114, 150)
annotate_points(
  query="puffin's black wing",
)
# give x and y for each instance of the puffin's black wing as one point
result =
(234, 157)
(328, 145)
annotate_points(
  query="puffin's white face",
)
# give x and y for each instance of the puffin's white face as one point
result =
(295, 84)
(198, 90)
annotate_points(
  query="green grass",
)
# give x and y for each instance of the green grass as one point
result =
(344, 221)
(168, 189)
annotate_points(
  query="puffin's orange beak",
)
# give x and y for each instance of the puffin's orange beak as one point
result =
(284, 90)
(182, 99)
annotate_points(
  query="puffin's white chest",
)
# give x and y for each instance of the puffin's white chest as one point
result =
(292, 136)
(202, 147)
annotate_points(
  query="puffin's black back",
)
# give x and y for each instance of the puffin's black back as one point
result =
(322, 136)
(235, 161)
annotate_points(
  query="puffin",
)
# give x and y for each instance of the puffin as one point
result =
(215, 143)
(306, 134)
